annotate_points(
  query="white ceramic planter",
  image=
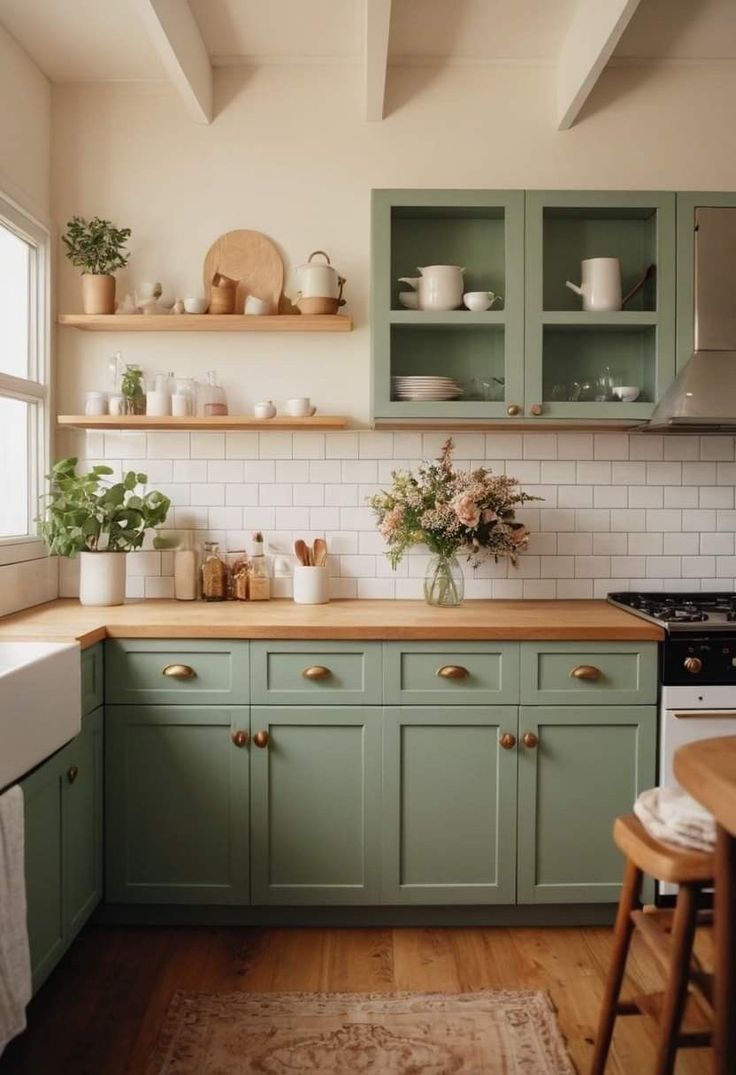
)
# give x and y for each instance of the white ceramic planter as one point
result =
(311, 585)
(102, 578)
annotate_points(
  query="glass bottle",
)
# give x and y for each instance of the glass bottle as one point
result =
(185, 570)
(132, 391)
(259, 581)
(239, 575)
(182, 398)
(214, 573)
(213, 397)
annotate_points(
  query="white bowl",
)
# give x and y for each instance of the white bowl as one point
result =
(627, 393)
(409, 299)
(195, 305)
(478, 300)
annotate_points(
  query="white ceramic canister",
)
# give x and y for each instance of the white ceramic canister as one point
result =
(319, 280)
(95, 404)
(311, 585)
(102, 578)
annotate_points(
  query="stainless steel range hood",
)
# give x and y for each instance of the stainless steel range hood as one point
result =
(703, 395)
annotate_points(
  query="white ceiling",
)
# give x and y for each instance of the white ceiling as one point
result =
(74, 40)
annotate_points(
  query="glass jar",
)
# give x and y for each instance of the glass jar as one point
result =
(214, 573)
(183, 397)
(158, 397)
(444, 582)
(259, 584)
(239, 575)
(132, 390)
(214, 403)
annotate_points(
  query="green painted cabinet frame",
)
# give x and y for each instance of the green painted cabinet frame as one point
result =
(63, 845)
(316, 791)
(449, 805)
(588, 766)
(411, 673)
(177, 798)
(134, 671)
(495, 338)
(627, 673)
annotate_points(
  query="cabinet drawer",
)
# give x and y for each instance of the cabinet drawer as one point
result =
(316, 673)
(91, 678)
(178, 671)
(574, 673)
(466, 673)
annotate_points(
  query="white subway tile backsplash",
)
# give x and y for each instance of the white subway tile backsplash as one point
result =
(646, 446)
(626, 473)
(716, 496)
(663, 567)
(645, 544)
(245, 445)
(665, 519)
(716, 447)
(610, 496)
(574, 445)
(310, 495)
(594, 473)
(540, 446)
(681, 496)
(685, 447)
(372, 445)
(207, 445)
(664, 473)
(717, 544)
(208, 493)
(610, 544)
(360, 470)
(698, 473)
(275, 495)
(646, 496)
(225, 470)
(558, 473)
(166, 445)
(611, 446)
(308, 445)
(680, 544)
(575, 496)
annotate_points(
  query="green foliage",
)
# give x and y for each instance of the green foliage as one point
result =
(132, 382)
(86, 513)
(96, 246)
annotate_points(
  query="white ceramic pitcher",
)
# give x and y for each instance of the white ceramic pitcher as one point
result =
(440, 287)
(601, 284)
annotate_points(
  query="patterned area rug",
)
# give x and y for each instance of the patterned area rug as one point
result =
(493, 1033)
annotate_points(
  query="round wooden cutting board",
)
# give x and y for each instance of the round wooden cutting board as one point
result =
(253, 260)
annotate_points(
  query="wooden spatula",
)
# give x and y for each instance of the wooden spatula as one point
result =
(319, 552)
(301, 551)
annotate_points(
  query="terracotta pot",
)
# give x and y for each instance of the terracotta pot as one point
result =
(98, 293)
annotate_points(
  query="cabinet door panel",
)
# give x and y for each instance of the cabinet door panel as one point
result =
(316, 791)
(490, 673)
(42, 796)
(176, 805)
(349, 673)
(92, 678)
(449, 825)
(83, 824)
(588, 767)
(135, 672)
(625, 673)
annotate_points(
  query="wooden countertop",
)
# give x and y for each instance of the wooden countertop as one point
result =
(475, 620)
(707, 770)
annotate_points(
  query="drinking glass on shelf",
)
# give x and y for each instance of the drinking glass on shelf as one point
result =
(183, 397)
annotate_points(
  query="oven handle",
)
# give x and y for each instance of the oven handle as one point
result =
(703, 714)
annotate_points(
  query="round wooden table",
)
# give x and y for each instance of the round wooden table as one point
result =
(707, 770)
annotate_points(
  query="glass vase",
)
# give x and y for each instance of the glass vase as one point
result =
(444, 582)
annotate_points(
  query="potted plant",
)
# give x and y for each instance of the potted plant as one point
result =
(97, 248)
(101, 521)
(451, 510)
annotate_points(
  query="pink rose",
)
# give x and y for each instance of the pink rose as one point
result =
(489, 515)
(519, 534)
(467, 511)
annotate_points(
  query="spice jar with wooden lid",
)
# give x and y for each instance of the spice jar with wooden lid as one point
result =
(214, 573)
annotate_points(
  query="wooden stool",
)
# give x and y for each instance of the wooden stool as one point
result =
(671, 944)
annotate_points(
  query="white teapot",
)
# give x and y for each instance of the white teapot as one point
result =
(440, 287)
(317, 280)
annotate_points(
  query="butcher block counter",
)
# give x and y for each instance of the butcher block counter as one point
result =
(64, 620)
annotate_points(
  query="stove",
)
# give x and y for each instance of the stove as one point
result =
(703, 612)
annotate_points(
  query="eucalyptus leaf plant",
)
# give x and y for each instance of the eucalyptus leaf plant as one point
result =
(96, 246)
(87, 513)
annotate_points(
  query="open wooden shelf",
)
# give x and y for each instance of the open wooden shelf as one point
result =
(228, 422)
(208, 322)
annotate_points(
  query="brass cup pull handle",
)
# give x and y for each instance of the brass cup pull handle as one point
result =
(72, 773)
(178, 671)
(507, 741)
(585, 671)
(240, 738)
(453, 671)
(529, 739)
(261, 739)
(316, 671)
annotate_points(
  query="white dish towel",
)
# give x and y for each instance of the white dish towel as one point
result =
(670, 814)
(15, 959)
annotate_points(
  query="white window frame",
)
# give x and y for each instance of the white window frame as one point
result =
(36, 387)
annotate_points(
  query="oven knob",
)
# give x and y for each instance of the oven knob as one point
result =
(693, 665)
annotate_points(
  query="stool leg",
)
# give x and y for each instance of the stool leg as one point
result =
(621, 940)
(673, 1005)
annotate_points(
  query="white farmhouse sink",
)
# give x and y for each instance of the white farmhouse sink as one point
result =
(40, 703)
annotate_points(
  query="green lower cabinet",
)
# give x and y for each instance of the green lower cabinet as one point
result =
(63, 845)
(449, 805)
(177, 804)
(587, 767)
(316, 790)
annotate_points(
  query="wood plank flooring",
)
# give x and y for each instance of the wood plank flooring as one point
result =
(101, 1010)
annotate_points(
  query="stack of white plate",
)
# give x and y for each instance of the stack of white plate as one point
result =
(425, 388)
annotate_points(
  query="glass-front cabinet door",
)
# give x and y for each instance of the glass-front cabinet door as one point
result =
(433, 357)
(584, 358)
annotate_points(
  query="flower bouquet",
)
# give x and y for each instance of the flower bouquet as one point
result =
(451, 511)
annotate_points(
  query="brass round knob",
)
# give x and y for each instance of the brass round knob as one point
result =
(529, 739)
(693, 665)
(535, 409)
(240, 738)
(513, 409)
(261, 739)
(316, 671)
(507, 741)
(453, 671)
(178, 671)
(72, 773)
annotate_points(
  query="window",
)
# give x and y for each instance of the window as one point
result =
(24, 335)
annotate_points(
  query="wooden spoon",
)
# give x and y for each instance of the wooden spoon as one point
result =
(319, 555)
(301, 551)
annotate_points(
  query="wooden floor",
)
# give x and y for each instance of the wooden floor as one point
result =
(100, 1012)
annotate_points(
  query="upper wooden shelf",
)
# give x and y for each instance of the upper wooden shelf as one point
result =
(208, 322)
(224, 423)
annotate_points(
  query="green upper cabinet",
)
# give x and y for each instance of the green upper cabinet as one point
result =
(483, 232)
(574, 357)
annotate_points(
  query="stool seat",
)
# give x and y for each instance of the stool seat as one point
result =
(665, 862)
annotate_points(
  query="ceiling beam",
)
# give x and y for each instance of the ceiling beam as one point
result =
(377, 29)
(593, 34)
(178, 42)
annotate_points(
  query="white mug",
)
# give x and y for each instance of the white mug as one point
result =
(257, 307)
(300, 408)
(264, 409)
(311, 585)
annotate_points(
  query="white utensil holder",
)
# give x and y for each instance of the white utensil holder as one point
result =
(311, 585)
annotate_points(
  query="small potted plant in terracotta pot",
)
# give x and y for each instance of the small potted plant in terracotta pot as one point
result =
(101, 521)
(96, 247)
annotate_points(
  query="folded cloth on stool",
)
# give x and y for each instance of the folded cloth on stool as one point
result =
(670, 814)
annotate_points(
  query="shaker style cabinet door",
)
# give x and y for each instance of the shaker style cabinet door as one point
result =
(449, 805)
(82, 837)
(316, 802)
(579, 768)
(177, 804)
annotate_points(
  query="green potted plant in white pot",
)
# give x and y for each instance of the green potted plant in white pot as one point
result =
(96, 247)
(101, 521)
